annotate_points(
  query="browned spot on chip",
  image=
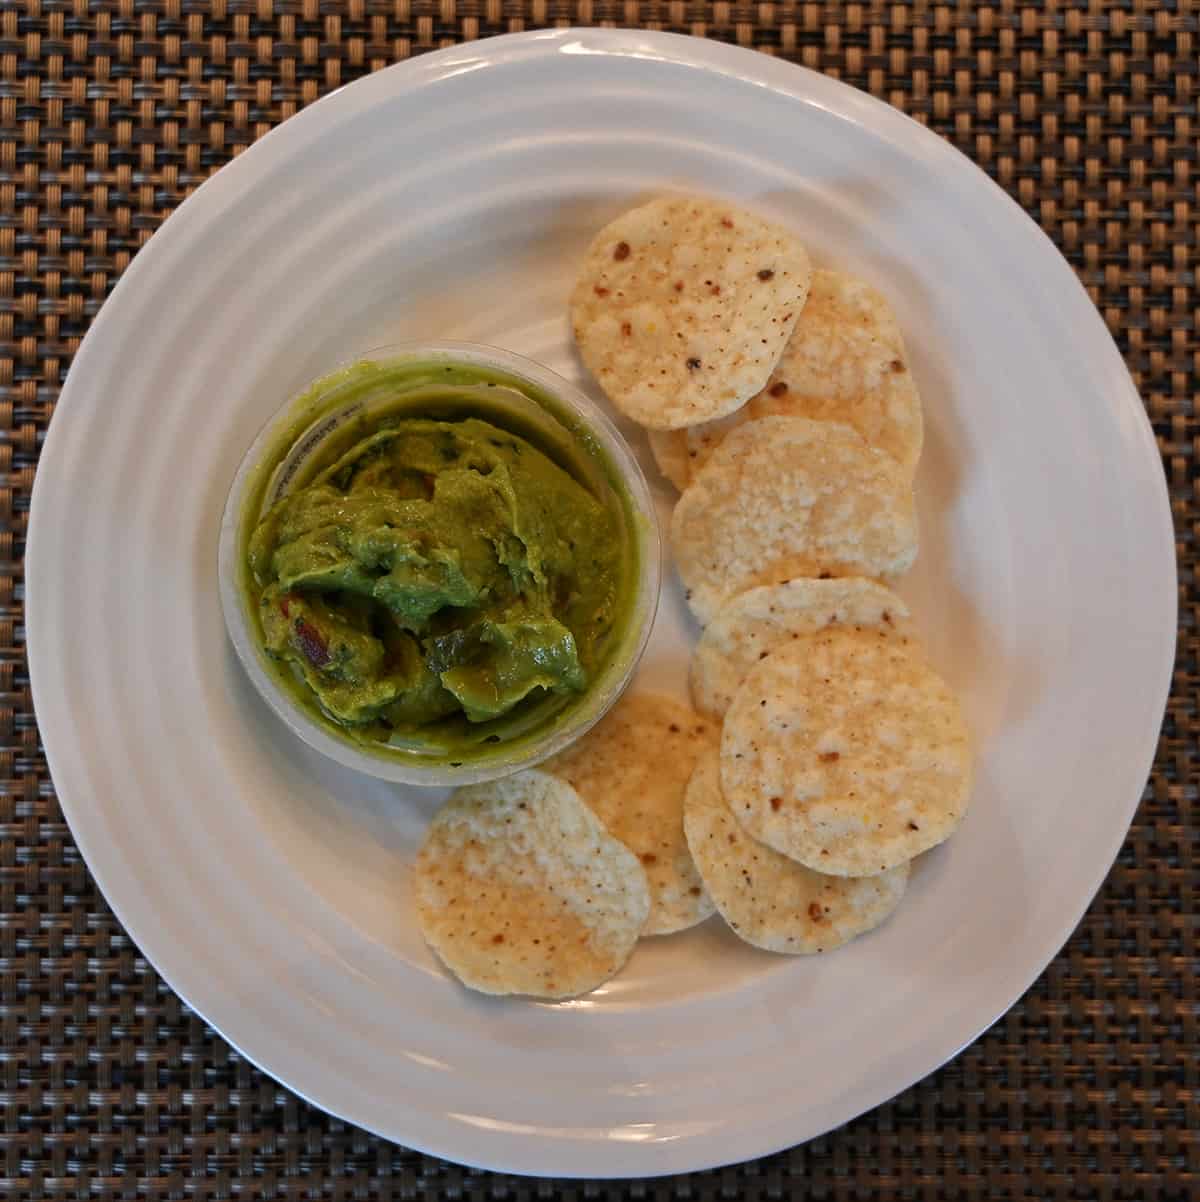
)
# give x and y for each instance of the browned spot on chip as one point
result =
(727, 223)
(829, 757)
(897, 365)
(815, 912)
(779, 389)
(649, 857)
(766, 274)
(626, 328)
(776, 802)
(497, 938)
(693, 363)
(621, 251)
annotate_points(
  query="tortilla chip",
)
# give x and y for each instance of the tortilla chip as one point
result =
(784, 497)
(767, 899)
(748, 628)
(632, 769)
(520, 889)
(845, 751)
(845, 362)
(683, 307)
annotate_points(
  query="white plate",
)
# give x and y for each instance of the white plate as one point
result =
(450, 197)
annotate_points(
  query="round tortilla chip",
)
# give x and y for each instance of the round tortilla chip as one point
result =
(786, 496)
(767, 899)
(750, 626)
(670, 451)
(845, 362)
(632, 769)
(684, 305)
(847, 752)
(520, 889)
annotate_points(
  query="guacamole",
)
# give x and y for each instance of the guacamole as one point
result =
(439, 577)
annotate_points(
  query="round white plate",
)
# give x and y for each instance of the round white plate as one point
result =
(451, 197)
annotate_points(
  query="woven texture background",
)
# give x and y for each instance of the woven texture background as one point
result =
(111, 111)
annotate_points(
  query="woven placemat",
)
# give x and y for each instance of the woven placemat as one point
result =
(111, 111)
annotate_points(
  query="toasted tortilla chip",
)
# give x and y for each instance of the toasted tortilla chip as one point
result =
(767, 899)
(784, 497)
(632, 769)
(845, 362)
(846, 752)
(748, 628)
(520, 889)
(683, 307)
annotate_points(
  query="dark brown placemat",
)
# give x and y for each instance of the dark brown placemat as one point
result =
(111, 111)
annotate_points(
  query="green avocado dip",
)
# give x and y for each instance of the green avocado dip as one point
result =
(449, 566)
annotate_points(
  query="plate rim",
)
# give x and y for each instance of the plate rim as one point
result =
(744, 64)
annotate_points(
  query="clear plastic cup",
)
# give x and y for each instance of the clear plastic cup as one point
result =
(537, 399)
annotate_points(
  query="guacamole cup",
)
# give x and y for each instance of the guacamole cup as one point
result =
(439, 564)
